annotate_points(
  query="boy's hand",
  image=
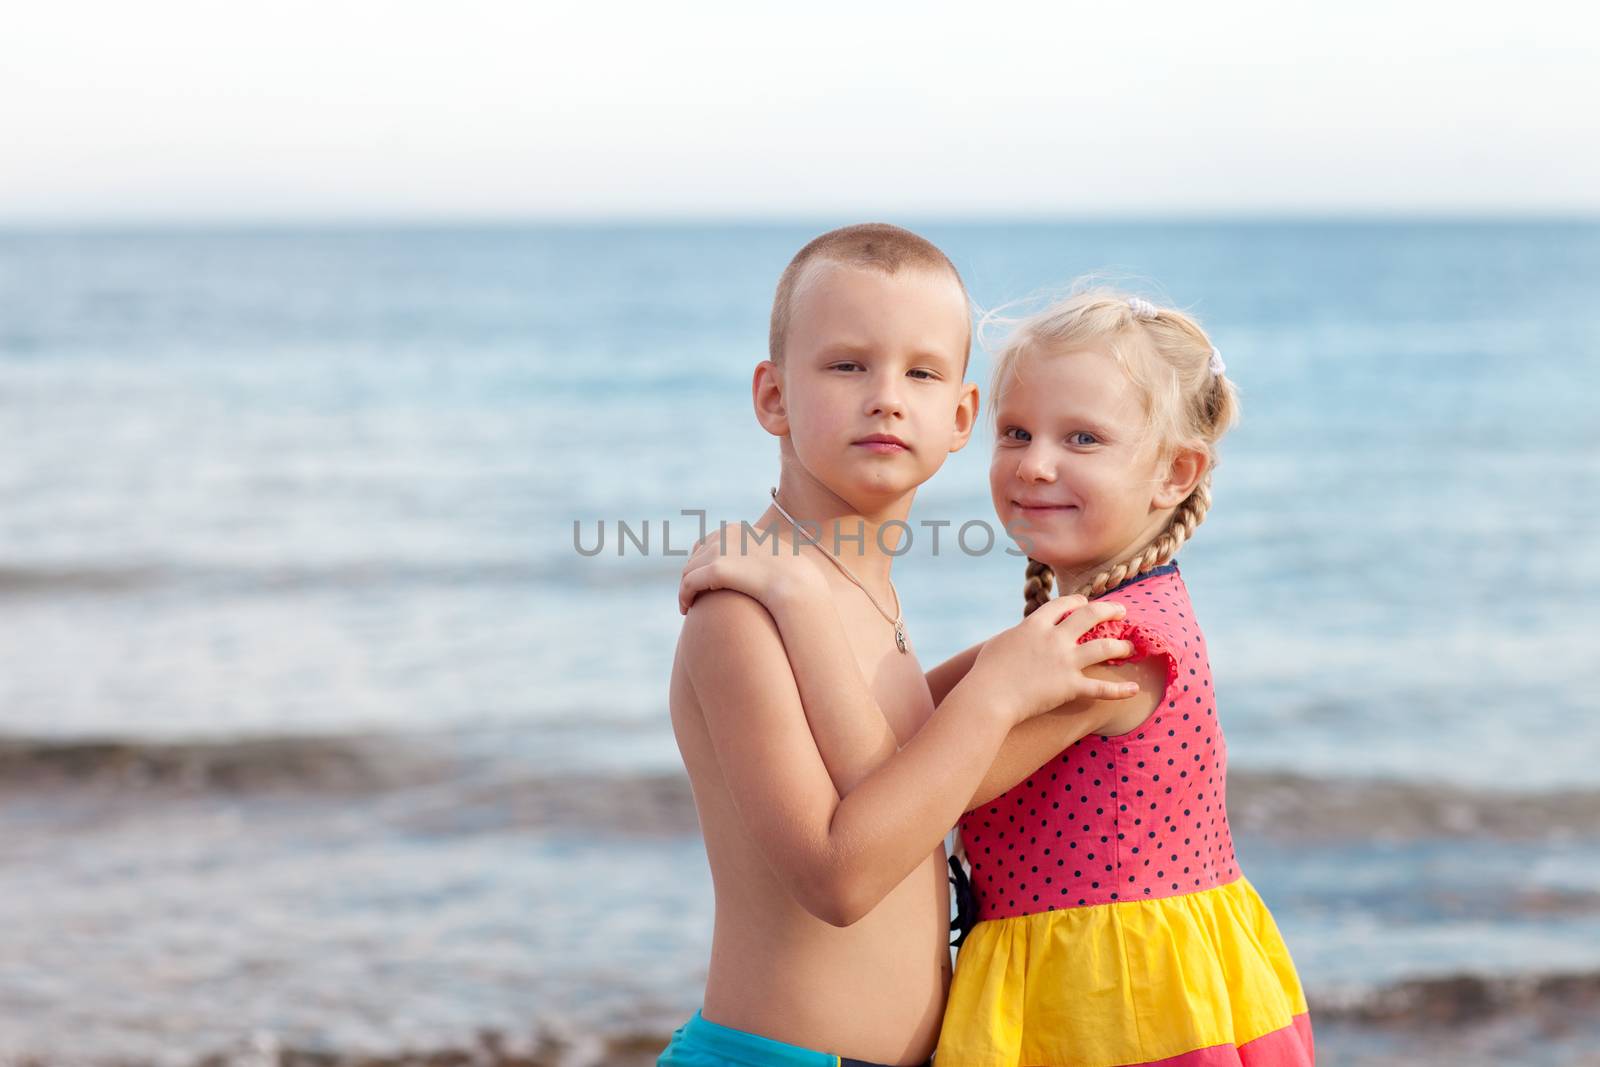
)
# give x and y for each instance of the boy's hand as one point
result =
(764, 576)
(1037, 665)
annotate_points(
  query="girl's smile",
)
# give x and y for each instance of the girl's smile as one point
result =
(1070, 462)
(1030, 506)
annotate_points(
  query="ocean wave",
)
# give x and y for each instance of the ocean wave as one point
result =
(345, 764)
(117, 579)
(490, 769)
(1464, 999)
(37, 581)
(455, 784)
(1300, 810)
(543, 1046)
(1456, 1020)
(1306, 809)
(1295, 809)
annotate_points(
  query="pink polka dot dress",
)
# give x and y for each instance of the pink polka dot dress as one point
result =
(1114, 926)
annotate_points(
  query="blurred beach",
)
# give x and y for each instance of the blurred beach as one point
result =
(321, 741)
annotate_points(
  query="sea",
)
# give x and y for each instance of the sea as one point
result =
(333, 693)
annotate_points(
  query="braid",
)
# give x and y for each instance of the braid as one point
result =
(1185, 518)
(1036, 590)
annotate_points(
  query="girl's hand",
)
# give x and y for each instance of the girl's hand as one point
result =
(775, 580)
(1037, 665)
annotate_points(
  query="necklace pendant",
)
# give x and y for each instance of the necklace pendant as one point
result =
(900, 635)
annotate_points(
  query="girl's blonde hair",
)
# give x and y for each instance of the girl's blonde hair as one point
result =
(1170, 360)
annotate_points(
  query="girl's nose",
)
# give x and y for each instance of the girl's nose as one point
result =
(1034, 466)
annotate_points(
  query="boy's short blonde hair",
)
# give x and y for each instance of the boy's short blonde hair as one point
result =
(872, 245)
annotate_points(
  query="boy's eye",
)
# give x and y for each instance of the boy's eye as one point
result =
(846, 365)
(1083, 437)
(923, 375)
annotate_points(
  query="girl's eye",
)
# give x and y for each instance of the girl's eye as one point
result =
(1015, 433)
(1083, 437)
(922, 375)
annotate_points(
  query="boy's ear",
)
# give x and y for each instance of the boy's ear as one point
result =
(766, 392)
(1184, 471)
(966, 416)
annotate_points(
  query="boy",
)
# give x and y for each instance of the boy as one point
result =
(832, 919)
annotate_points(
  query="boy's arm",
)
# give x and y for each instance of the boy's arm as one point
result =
(841, 855)
(851, 733)
(850, 729)
(947, 675)
(1030, 745)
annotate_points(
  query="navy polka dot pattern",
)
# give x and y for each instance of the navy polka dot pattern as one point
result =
(1138, 816)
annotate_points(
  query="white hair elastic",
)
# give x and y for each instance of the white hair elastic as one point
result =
(1216, 364)
(1142, 308)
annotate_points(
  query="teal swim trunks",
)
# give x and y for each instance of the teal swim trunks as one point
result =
(701, 1043)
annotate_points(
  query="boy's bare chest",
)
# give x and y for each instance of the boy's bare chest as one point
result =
(895, 678)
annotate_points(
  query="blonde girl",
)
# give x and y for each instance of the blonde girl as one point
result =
(1114, 925)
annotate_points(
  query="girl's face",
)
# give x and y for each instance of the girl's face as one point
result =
(1075, 478)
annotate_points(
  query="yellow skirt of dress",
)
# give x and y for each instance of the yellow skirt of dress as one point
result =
(1133, 982)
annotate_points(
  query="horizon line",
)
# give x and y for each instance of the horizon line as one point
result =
(775, 220)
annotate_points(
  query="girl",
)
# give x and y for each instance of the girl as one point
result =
(1114, 926)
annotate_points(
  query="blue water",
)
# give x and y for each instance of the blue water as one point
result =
(300, 481)
(278, 483)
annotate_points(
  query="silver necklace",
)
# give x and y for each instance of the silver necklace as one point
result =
(895, 620)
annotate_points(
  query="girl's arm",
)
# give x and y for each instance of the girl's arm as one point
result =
(841, 854)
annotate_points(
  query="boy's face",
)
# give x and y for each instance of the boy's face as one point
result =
(870, 395)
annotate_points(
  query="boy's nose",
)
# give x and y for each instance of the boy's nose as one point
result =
(886, 401)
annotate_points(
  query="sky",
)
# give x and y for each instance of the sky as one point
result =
(355, 109)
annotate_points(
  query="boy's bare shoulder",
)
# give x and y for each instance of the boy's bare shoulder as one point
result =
(724, 626)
